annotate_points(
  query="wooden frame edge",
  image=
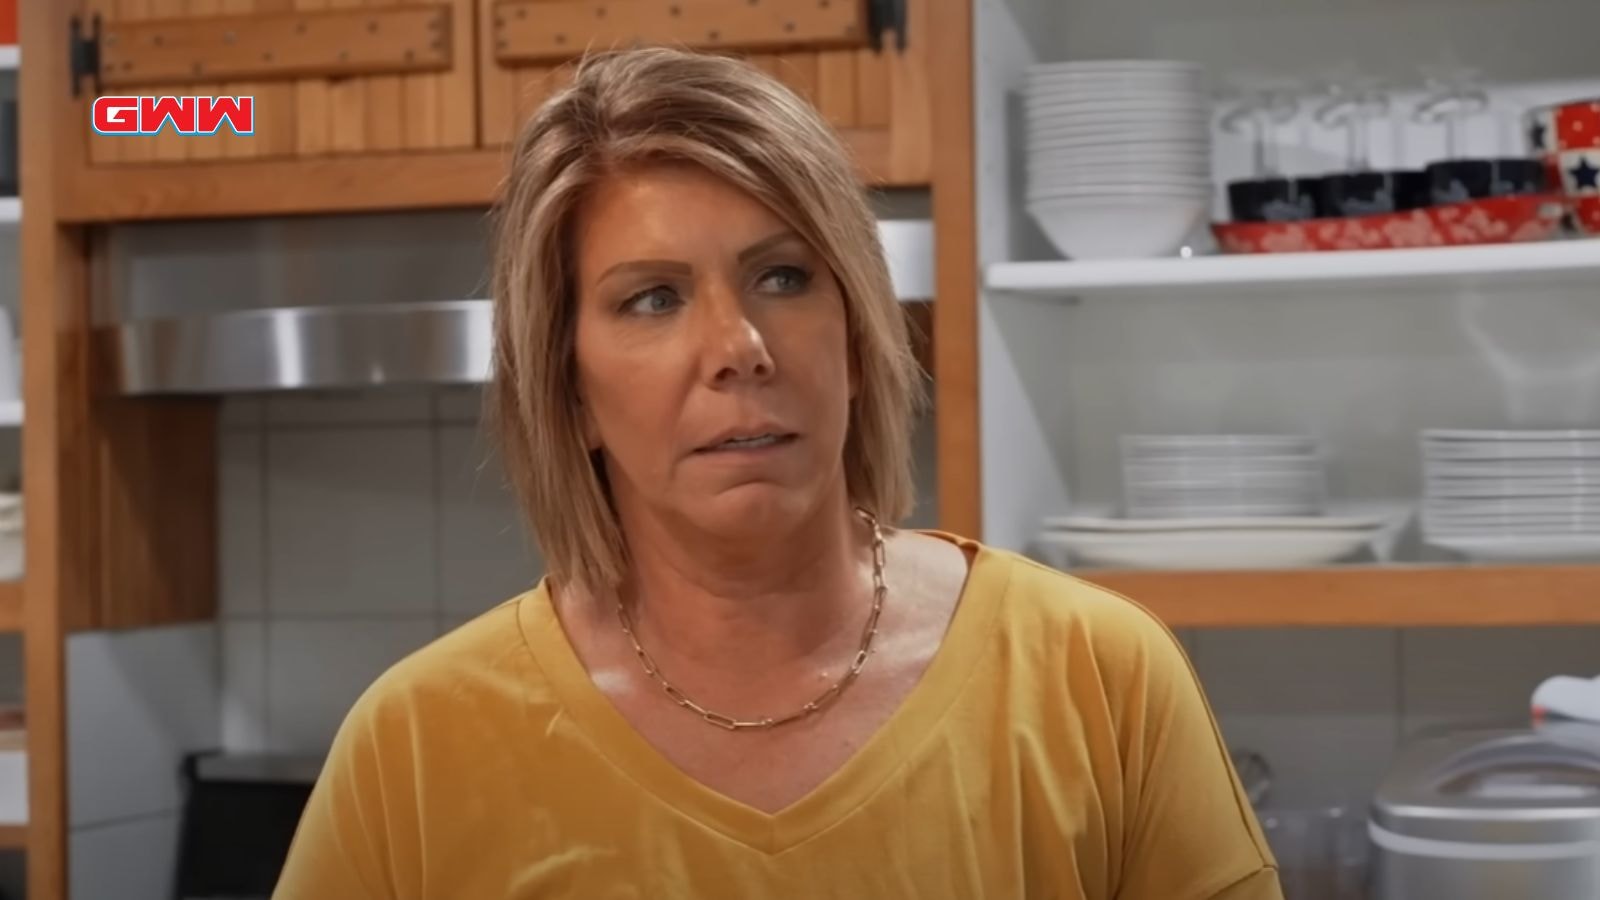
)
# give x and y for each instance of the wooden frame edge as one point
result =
(373, 182)
(1377, 596)
(51, 269)
(955, 335)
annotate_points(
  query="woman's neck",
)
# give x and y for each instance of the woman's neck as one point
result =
(732, 605)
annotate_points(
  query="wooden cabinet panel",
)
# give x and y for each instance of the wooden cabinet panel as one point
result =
(876, 98)
(329, 77)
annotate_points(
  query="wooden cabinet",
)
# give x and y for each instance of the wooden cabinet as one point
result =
(394, 104)
(869, 78)
(328, 77)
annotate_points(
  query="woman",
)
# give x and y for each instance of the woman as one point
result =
(738, 679)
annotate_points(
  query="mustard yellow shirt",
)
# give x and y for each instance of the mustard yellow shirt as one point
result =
(1058, 746)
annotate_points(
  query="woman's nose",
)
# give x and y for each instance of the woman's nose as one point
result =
(735, 348)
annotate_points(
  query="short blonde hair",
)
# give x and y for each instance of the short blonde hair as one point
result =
(664, 105)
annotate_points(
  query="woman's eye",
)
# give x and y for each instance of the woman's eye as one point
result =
(652, 302)
(785, 279)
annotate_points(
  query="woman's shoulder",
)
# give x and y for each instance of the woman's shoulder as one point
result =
(483, 657)
(1040, 604)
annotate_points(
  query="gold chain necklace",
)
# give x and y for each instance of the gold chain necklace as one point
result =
(879, 591)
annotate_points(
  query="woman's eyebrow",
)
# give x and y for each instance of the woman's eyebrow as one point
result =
(766, 244)
(652, 265)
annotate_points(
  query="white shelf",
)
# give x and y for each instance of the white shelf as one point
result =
(1434, 268)
(10, 413)
(10, 57)
(10, 211)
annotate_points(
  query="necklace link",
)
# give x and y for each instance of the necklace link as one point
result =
(728, 723)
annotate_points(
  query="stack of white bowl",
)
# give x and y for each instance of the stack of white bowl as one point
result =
(1227, 476)
(1526, 495)
(1118, 156)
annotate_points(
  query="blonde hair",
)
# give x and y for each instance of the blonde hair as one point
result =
(660, 105)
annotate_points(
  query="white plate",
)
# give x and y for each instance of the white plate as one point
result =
(1237, 549)
(1492, 490)
(1513, 469)
(1542, 548)
(1521, 434)
(1271, 444)
(1514, 505)
(1574, 450)
(1220, 523)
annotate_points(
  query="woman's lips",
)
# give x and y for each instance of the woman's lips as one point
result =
(750, 445)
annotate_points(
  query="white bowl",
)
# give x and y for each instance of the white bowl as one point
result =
(1127, 227)
(1129, 99)
(1134, 195)
(1071, 177)
(1045, 154)
(1116, 145)
(1139, 121)
(1099, 93)
(1171, 151)
(1117, 66)
(1128, 134)
(1196, 138)
(1148, 104)
(1140, 172)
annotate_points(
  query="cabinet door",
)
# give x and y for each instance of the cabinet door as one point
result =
(876, 96)
(327, 76)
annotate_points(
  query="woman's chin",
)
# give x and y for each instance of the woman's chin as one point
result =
(753, 509)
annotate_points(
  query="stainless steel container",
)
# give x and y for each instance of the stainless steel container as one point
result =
(1490, 815)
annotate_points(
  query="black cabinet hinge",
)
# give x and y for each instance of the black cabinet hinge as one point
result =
(886, 15)
(83, 50)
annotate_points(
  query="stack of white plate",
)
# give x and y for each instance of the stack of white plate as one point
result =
(1245, 542)
(1222, 476)
(1512, 495)
(1118, 156)
(1225, 501)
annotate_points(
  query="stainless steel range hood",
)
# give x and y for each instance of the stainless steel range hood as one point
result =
(304, 348)
(360, 346)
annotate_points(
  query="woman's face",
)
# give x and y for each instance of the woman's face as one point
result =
(712, 354)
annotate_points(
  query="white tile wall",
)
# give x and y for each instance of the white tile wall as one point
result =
(367, 524)
(241, 521)
(388, 406)
(244, 685)
(1320, 705)
(126, 860)
(136, 703)
(1329, 707)
(484, 553)
(350, 521)
(1471, 676)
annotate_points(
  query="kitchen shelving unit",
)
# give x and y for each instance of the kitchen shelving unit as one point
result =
(1032, 390)
(1496, 267)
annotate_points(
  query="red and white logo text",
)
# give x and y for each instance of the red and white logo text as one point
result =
(183, 115)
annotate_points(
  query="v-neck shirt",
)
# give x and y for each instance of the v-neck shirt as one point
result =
(1057, 746)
